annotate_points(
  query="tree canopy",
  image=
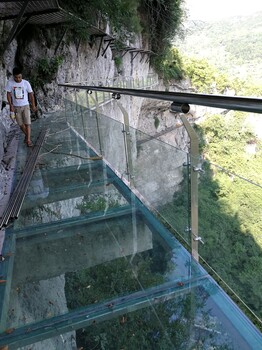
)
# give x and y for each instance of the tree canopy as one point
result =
(159, 20)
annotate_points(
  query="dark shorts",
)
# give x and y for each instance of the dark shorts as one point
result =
(22, 115)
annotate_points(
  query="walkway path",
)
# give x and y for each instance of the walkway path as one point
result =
(8, 161)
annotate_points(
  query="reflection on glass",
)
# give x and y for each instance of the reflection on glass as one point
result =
(89, 249)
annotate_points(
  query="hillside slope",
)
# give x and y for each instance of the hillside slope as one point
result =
(233, 45)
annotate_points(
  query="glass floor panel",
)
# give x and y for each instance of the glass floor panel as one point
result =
(95, 262)
(188, 320)
(86, 255)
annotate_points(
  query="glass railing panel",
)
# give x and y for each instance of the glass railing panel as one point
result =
(231, 231)
(99, 96)
(69, 181)
(157, 170)
(161, 176)
(113, 144)
(104, 134)
(80, 97)
(163, 184)
(84, 122)
(230, 201)
(75, 115)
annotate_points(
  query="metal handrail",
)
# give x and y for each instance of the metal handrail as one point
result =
(114, 81)
(246, 104)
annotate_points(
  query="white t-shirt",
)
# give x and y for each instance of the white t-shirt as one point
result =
(19, 92)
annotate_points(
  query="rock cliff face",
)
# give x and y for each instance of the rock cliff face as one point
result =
(80, 63)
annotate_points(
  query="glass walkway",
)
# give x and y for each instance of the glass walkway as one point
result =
(89, 261)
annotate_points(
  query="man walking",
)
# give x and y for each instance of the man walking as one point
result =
(18, 92)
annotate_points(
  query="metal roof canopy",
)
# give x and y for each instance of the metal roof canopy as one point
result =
(47, 12)
(38, 12)
(32, 9)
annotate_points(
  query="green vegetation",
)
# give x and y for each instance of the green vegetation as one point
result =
(169, 65)
(207, 78)
(110, 280)
(162, 324)
(118, 62)
(233, 221)
(162, 21)
(233, 46)
(149, 328)
(158, 20)
(99, 204)
(122, 14)
(229, 207)
(205, 75)
(45, 71)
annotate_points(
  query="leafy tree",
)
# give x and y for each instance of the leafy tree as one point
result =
(169, 65)
(46, 70)
(162, 20)
(158, 20)
(206, 77)
(231, 45)
(203, 76)
(122, 15)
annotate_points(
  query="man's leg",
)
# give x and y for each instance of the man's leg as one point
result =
(28, 132)
(23, 128)
(19, 119)
(27, 124)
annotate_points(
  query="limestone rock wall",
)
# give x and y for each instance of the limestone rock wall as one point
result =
(80, 63)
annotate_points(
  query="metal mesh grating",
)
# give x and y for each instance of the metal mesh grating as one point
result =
(11, 9)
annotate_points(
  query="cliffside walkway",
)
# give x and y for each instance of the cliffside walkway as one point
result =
(15, 202)
(89, 248)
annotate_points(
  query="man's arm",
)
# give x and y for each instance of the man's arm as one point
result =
(32, 100)
(9, 99)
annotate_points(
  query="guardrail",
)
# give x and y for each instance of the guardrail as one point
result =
(103, 97)
(100, 131)
(246, 104)
(180, 102)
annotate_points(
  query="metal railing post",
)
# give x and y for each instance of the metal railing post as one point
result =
(129, 172)
(97, 123)
(75, 93)
(127, 141)
(194, 161)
